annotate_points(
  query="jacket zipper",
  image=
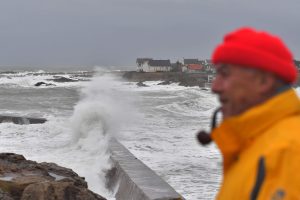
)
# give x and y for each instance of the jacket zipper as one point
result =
(261, 173)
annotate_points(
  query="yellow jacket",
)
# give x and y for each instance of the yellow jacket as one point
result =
(261, 151)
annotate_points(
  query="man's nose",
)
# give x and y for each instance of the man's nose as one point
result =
(216, 86)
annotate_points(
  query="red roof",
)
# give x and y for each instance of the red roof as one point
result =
(195, 67)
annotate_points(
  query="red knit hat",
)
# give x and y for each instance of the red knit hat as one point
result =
(250, 48)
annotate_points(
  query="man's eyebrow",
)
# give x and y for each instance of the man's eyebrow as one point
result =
(222, 65)
(222, 68)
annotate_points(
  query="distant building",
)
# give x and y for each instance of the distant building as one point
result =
(193, 68)
(176, 67)
(159, 66)
(208, 65)
(189, 65)
(150, 65)
(190, 61)
(141, 63)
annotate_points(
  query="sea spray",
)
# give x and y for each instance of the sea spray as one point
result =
(99, 114)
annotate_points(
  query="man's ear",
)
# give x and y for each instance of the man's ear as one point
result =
(267, 83)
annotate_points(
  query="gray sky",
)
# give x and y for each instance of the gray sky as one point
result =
(116, 32)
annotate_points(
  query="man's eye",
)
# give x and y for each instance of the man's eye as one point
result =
(224, 73)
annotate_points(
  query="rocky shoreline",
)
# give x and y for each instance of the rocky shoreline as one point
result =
(184, 79)
(22, 179)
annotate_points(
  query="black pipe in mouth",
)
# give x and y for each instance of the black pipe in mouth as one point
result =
(202, 136)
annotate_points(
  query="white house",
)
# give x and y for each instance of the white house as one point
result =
(150, 65)
(141, 63)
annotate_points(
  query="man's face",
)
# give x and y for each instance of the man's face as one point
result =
(237, 89)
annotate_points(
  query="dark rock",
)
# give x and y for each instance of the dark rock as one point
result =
(9, 72)
(205, 89)
(55, 190)
(62, 79)
(44, 84)
(28, 180)
(64, 172)
(141, 84)
(40, 83)
(21, 120)
(5, 195)
(167, 82)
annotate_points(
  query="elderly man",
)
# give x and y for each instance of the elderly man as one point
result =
(259, 137)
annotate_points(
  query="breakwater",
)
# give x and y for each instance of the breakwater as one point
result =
(184, 79)
(132, 179)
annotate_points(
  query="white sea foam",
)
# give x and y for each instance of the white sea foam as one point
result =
(29, 79)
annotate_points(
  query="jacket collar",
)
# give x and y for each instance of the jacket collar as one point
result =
(236, 133)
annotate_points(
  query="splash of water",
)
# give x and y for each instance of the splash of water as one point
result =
(97, 117)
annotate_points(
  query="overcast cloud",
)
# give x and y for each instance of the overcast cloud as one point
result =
(116, 32)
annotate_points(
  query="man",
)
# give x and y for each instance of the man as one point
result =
(259, 137)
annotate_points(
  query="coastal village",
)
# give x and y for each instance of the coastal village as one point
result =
(187, 72)
(186, 65)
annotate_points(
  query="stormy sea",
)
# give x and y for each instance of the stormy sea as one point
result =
(157, 123)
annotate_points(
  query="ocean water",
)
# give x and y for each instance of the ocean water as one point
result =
(156, 123)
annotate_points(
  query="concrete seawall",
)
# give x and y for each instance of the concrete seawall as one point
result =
(133, 180)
